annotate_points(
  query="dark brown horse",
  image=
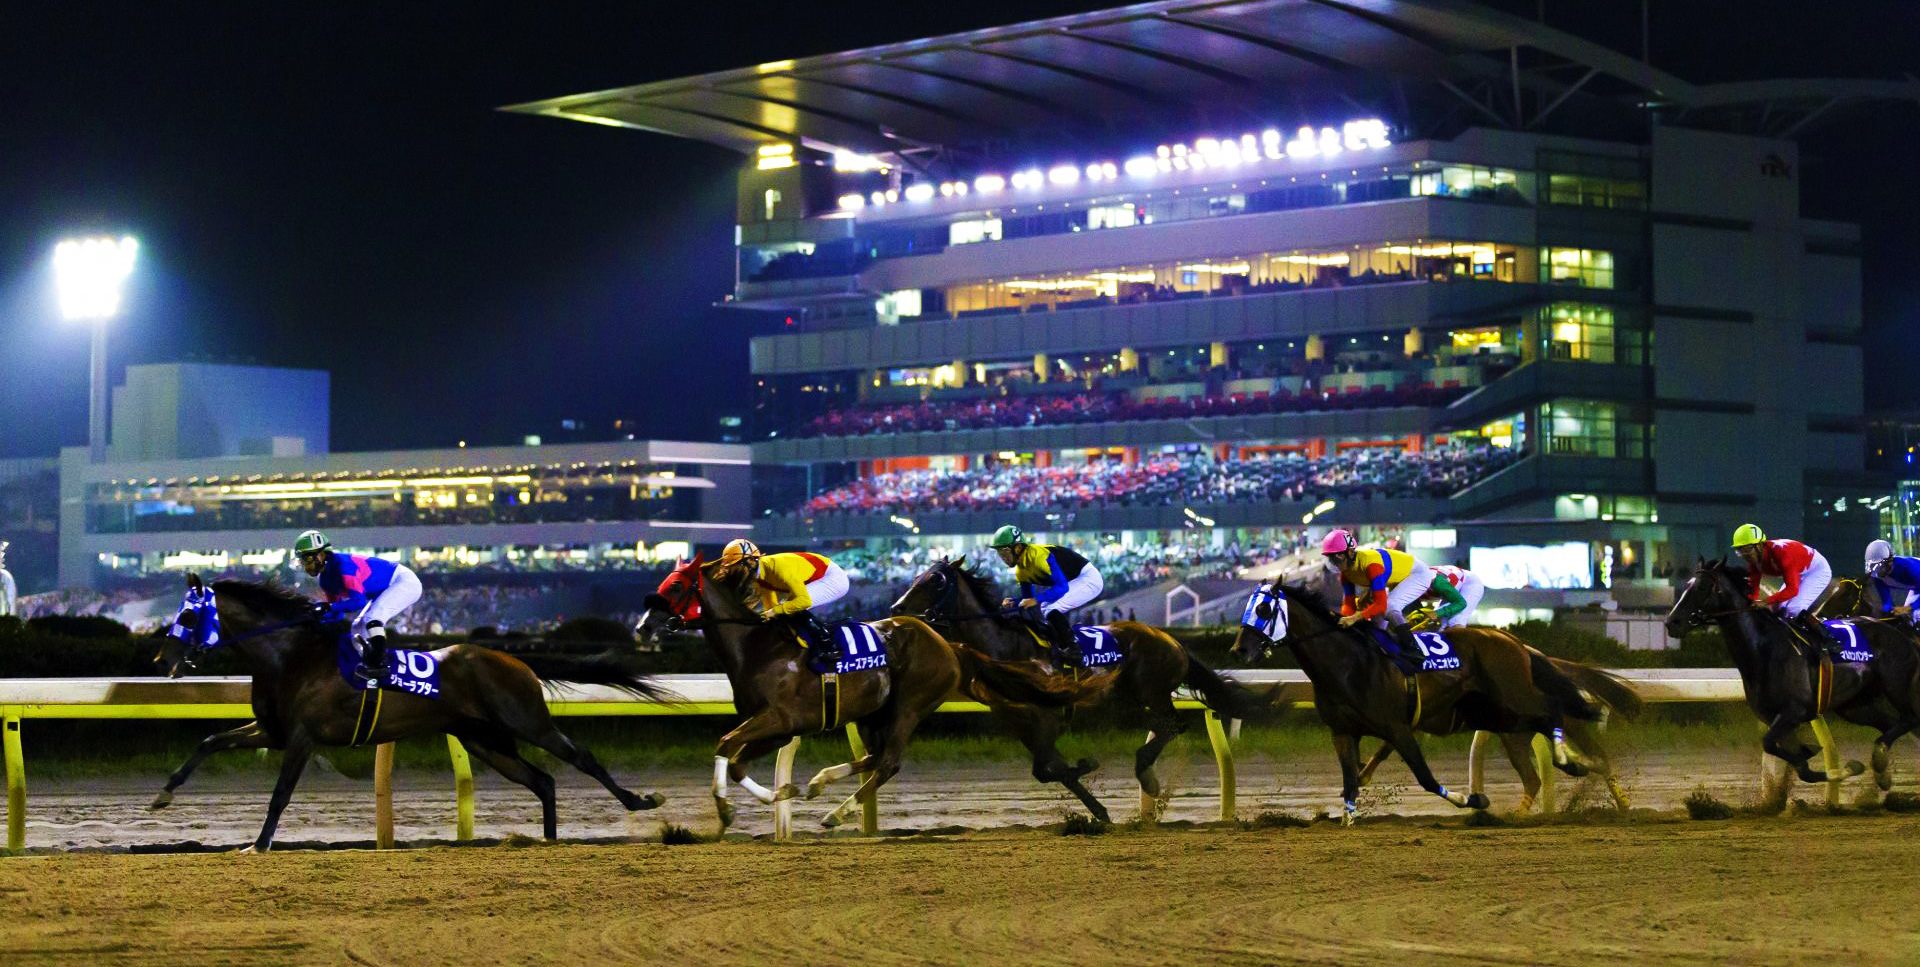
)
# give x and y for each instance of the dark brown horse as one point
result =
(965, 606)
(1784, 682)
(780, 698)
(1500, 685)
(490, 701)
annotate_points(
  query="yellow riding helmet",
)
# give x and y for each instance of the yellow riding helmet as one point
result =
(738, 552)
(1747, 535)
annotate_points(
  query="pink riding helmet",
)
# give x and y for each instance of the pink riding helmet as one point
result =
(1337, 541)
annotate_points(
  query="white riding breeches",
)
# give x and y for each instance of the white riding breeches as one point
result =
(1813, 584)
(830, 586)
(400, 595)
(1471, 589)
(1081, 590)
(1401, 596)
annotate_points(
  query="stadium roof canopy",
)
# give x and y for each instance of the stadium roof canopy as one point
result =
(1173, 67)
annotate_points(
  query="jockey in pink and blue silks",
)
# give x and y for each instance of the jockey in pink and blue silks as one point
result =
(367, 591)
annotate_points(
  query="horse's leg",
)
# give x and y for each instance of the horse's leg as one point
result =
(1346, 747)
(299, 750)
(1408, 745)
(893, 732)
(1519, 746)
(759, 727)
(560, 747)
(1380, 756)
(497, 749)
(1781, 731)
(1163, 725)
(248, 736)
(1039, 730)
(737, 771)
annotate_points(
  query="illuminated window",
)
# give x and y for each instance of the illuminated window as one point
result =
(1594, 429)
(1112, 216)
(1592, 268)
(1576, 332)
(977, 230)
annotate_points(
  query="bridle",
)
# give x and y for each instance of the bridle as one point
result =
(949, 587)
(1699, 619)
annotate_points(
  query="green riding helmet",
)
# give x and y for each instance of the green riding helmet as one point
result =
(1008, 536)
(310, 542)
(1747, 535)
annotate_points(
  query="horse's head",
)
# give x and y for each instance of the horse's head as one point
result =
(676, 604)
(1711, 592)
(195, 629)
(931, 593)
(1263, 624)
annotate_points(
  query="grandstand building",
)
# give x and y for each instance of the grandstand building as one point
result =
(1219, 272)
(217, 468)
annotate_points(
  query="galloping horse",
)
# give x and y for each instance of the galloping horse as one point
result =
(780, 699)
(965, 606)
(1500, 686)
(488, 700)
(1787, 689)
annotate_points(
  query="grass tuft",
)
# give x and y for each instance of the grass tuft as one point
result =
(1081, 824)
(1702, 805)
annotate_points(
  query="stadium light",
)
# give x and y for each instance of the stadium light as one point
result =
(89, 274)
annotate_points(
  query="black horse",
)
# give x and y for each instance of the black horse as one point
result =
(1788, 684)
(965, 606)
(1501, 686)
(490, 701)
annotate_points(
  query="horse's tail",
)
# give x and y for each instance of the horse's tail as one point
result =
(1226, 698)
(1549, 678)
(614, 667)
(1607, 688)
(1024, 682)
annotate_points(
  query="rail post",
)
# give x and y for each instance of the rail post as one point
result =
(782, 778)
(16, 782)
(383, 796)
(1543, 764)
(870, 802)
(1829, 758)
(462, 790)
(1223, 760)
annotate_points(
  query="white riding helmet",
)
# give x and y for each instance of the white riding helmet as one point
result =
(1878, 554)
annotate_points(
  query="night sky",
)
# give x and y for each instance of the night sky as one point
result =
(330, 185)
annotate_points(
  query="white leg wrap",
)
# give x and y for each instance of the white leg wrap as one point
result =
(720, 777)
(757, 790)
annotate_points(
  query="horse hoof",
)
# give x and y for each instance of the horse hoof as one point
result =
(786, 792)
(1478, 801)
(1100, 813)
(830, 820)
(725, 809)
(161, 801)
(814, 789)
(1523, 805)
(651, 800)
(1085, 766)
(1884, 780)
(1855, 767)
(1811, 777)
(1574, 769)
(251, 850)
(1346, 820)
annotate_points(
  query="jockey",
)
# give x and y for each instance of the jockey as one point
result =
(1052, 578)
(1393, 580)
(1891, 576)
(1804, 576)
(790, 586)
(1460, 590)
(367, 591)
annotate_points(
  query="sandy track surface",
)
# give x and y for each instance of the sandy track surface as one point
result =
(1826, 889)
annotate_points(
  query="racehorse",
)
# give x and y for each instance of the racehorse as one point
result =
(965, 605)
(1500, 685)
(780, 699)
(488, 700)
(1786, 688)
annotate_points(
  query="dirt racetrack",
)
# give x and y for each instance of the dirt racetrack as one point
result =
(1825, 889)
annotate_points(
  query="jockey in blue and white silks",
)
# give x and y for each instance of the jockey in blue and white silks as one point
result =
(367, 591)
(1893, 577)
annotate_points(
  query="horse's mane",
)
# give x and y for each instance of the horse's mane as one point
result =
(1312, 599)
(1731, 567)
(983, 586)
(271, 599)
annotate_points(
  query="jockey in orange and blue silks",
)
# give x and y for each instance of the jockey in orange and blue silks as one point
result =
(1391, 582)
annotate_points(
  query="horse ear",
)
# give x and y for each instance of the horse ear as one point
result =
(1700, 561)
(193, 581)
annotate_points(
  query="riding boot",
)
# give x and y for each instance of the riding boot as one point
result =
(1409, 657)
(1815, 632)
(1066, 651)
(827, 656)
(373, 654)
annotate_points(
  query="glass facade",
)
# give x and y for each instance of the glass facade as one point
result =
(1588, 333)
(1584, 428)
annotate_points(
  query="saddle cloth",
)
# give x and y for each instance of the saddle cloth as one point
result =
(1854, 646)
(861, 647)
(413, 672)
(1436, 652)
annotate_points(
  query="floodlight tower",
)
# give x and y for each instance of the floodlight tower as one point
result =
(90, 273)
